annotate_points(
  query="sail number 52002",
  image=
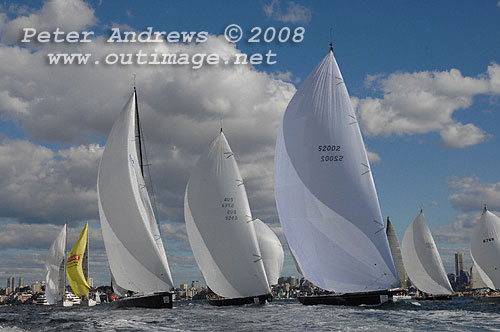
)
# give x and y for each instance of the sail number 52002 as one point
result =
(330, 148)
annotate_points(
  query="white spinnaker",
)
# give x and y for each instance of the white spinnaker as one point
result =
(271, 251)
(422, 261)
(325, 194)
(396, 252)
(485, 246)
(132, 239)
(55, 278)
(219, 225)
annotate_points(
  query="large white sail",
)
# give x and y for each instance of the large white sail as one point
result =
(396, 252)
(478, 278)
(271, 251)
(485, 247)
(220, 227)
(422, 261)
(55, 278)
(325, 194)
(132, 239)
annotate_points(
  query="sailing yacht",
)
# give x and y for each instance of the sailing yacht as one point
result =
(134, 247)
(423, 263)
(55, 278)
(221, 229)
(485, 249)
(326, 198)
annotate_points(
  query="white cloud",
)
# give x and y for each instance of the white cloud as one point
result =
(295, 13)
(42, 186)
(458, 232)
(64, 14)
(373, 157)
(423, 102)
(457, 135)
(470, 194)
(181, 110)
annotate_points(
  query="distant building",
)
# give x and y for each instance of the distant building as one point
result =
(11, 283)
(184, 287)
(459, 263)
(294, 281)
(196, 284)
(21, 282)
(36, 287)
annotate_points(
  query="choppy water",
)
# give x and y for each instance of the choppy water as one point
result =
(460, 314)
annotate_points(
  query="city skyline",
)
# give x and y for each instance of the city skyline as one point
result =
(426, 102)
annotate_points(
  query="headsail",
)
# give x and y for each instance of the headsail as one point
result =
(478, 278)
(131, 235)
(220, 225)
(271, 251)
(55, 265)
(76, 277)
(325, 194)
(396, 252)
(422, 261)
(485, 247)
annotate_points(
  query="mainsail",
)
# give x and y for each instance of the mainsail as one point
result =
(422, 261)
(76, 277)
(131, 235)
(325, 194)
(55, 265)
(396, 252)
(485, 247)
(271, 251)
(220, 225)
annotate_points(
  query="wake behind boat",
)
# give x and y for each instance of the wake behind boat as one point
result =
(134, 247)
(326, 198)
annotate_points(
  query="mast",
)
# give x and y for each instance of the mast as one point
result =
(138, 128)
(65, 261)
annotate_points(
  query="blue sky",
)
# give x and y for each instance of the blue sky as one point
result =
(424, 78)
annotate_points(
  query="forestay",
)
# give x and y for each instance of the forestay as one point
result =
(325, 194)
(132, 239)
(220, 226)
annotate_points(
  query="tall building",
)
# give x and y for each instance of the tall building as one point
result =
(459, 263)
(21, 282)
(12, 283)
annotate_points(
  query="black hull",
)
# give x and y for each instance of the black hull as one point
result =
(348, 299)
(434, 298)
(261, 299)
(157, 300)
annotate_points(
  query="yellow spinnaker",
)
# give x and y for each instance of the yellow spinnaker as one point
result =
(74, 266)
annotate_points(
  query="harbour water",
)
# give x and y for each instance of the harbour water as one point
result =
(459, 314)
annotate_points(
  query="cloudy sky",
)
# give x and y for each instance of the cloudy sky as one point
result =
(424, 79)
